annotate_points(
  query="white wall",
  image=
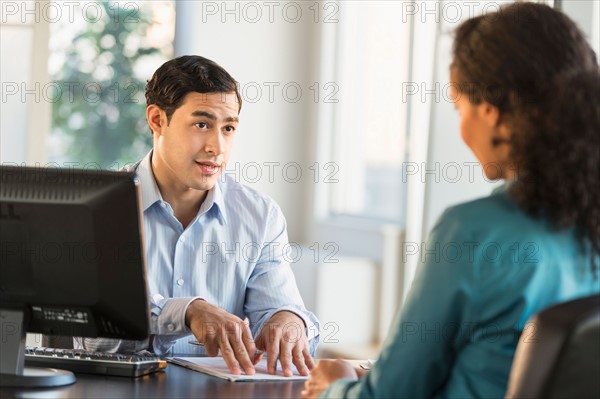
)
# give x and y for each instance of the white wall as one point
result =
(272, 51)
(587, 15)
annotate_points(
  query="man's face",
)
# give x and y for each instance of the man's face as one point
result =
(192, 149)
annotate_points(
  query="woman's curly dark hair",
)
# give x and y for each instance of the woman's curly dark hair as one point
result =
(559, 162)
(535, 65)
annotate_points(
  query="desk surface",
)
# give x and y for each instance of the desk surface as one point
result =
(174, 382)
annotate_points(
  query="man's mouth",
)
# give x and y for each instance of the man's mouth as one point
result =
(208, 168)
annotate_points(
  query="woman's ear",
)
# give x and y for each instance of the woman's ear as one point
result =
(154, 116)
(490, 114)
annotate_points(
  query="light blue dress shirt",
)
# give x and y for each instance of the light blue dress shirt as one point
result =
(231, 255)
(486, 268)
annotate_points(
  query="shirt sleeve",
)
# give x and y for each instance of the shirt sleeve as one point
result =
(418, 355)
(167, 321)
(167, 324)
(272, 286)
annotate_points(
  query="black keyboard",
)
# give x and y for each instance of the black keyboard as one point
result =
(81, 361)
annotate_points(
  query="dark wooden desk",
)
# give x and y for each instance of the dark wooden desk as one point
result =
(174, 382)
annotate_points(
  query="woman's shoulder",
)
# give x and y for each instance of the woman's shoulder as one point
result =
(497, 205)
(493, 217)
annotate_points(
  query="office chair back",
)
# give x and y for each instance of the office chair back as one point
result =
(561, 357)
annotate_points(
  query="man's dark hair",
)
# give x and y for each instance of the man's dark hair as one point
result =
(182, 75)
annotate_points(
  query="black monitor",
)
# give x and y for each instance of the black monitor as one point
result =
(71, 262)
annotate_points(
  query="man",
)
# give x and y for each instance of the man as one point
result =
(214, 247)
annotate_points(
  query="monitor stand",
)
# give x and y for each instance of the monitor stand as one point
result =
(13, 373)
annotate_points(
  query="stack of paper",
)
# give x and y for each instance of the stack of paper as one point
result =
(217, 367)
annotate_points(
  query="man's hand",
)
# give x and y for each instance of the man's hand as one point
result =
(218, 329)
(326, 372)
(284, 337)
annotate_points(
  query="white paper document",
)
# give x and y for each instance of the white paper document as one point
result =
(217, 367)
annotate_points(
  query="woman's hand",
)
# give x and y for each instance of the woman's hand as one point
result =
(326, 372)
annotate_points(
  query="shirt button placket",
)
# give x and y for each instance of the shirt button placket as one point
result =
(178, 267)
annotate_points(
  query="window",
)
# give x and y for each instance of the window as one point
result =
(99, 63)
(23, 54)
(369, 120)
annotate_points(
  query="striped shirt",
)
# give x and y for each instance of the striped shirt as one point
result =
(231, 255)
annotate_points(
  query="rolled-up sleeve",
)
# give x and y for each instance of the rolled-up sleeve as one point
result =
(168, 321)
(272, 287)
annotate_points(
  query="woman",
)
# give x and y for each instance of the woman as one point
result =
(528, 94)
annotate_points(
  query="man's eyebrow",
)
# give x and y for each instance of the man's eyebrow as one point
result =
(213, 117)
(205, 114)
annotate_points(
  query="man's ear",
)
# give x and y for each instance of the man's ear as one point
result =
(490, 114)
(156, 118)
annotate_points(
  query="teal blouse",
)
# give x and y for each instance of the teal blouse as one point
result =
(488, 268)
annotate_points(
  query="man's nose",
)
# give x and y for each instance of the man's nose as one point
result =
(215, 143)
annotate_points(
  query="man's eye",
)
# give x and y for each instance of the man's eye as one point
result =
(229, 129)
(201, 125)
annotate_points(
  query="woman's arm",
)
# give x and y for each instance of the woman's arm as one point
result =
(433, 324)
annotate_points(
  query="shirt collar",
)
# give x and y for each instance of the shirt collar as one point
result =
(215, 196)
(151, 193)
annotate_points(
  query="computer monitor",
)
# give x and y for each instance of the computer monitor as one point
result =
(71, 262)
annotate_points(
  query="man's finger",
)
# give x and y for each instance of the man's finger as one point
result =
(233, 335)
(257, 358)
(285, 358)
(210, 340)
(298, 359)
(229, 357)
(273, 340)
(239, 351)
(211, 346)
(248, 341)
(308, 360)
